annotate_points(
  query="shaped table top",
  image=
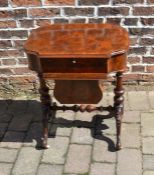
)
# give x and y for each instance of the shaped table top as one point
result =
(78, 40)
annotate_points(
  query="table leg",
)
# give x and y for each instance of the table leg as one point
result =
(46, 103)
(119, 106)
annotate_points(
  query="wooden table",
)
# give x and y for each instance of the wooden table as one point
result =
(78, 52)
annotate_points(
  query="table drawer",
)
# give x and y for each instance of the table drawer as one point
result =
(73, 65)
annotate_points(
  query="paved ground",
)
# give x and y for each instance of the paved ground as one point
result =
(80, 143)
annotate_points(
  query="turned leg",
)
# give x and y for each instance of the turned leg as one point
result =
(119, 107)
(46, 103)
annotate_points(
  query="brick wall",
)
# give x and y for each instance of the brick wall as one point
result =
(19, 17)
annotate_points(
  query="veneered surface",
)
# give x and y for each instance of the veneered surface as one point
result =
(92, 92)
(78, 40)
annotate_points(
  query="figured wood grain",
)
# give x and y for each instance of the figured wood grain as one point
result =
(78, 92)
(77, 51)
(78, 40)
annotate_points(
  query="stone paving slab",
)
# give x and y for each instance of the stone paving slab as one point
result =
(130, 135)
(151, 98)
(5, 168)
(80, 143)
(147, 124)
(78, 160)
(138, 100)
(148, 172)
(109, 126)
(12, 139)
(81, 136)
(34, 107)
(22, 121)
(27, 161)
(3, 105)
(3, 128)
(85, 117)
(103, 150)
(132, 117)
(60, 130)
(148, 162)
(18, 107)
(64, 117)
(8, 155)
(46, 169)
(102, 168)
(5, 117)
(148, 143)
(129, 162)
(57, 152)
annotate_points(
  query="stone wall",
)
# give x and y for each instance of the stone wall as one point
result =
(19, 17)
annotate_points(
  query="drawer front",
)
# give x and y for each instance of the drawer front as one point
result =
(73, 65)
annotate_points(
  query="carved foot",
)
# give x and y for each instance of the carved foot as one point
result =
(118, 146)
(44, 143)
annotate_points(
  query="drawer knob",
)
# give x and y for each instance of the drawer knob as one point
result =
(73, 61)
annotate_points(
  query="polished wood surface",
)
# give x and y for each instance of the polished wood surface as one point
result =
(119, 106)
(77, 68)
(90, 51)
(78, 92)
(46, 103)
(78, 52)
(78, 40)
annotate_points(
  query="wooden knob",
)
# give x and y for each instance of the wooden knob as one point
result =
(73, 61)
(82, 108)
(90, 108)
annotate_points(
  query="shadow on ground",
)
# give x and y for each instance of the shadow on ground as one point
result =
(20, 121)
